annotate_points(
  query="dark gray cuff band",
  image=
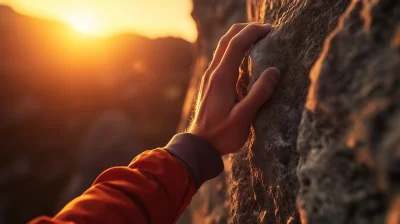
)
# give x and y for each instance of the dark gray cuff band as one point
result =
(203, 161)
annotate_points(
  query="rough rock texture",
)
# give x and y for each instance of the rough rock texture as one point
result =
(348, 160)
(293, 47)
(267, 11)
(213, 19)
(349, 138)
(244, 208)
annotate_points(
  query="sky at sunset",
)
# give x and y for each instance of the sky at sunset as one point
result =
(153, 18)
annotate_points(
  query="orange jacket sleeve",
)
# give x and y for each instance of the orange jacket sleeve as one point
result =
(155, 188)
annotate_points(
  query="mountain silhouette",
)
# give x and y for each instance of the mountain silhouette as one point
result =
(73, 105)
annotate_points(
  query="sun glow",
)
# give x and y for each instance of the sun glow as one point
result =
(152, 18)
(83, 22)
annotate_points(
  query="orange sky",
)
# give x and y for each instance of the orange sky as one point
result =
(152, 18)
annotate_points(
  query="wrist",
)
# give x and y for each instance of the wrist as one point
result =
(198, 155)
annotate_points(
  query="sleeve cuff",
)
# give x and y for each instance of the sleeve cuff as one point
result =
(202, 159)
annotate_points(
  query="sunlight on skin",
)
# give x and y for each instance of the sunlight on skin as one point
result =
(152, 18)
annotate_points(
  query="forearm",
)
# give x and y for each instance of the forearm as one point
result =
(155, 188)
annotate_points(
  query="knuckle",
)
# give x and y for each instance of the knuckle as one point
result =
(252, 32)
(254, 29)
(253, 26)
(216, 79)
(224, 40)
(235, 26)
(236, 41)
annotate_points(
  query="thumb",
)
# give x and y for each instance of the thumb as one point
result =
(260, 92)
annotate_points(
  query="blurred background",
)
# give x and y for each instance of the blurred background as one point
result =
(85, 85)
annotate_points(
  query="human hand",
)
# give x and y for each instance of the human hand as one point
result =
(219, 117)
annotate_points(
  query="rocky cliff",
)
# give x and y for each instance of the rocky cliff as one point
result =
(338, 155)
(293, 47)
(349, 136)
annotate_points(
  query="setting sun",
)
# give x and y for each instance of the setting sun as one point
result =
(152, 18)
(82, 22)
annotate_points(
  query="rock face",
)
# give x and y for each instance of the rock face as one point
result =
(293, 47)
(349, 136)
(347, 165)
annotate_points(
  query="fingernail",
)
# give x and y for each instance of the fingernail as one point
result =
(274, 73)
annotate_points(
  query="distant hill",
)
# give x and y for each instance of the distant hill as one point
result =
(44, 47)
(71, 104)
